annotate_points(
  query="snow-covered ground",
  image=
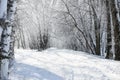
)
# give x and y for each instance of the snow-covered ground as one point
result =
(61, 64)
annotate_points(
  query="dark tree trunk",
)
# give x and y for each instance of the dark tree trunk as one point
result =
(109, 35)
(116, 29)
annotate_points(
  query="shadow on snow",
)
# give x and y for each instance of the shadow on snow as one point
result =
(27, 72)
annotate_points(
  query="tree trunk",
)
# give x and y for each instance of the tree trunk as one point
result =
(109, 35)
(7, 9)
(3, 60)
(116, 26)
(97, 31)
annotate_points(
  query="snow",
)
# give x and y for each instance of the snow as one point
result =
(62, 64)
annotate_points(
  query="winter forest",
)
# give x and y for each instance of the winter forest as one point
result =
(59, 39)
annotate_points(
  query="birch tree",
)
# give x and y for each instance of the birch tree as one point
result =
(7, 10)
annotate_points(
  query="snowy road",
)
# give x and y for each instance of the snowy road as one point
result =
(56, 64)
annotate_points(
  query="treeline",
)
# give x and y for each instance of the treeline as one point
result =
(86, 25)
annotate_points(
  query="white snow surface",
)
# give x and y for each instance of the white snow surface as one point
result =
(62, 64)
